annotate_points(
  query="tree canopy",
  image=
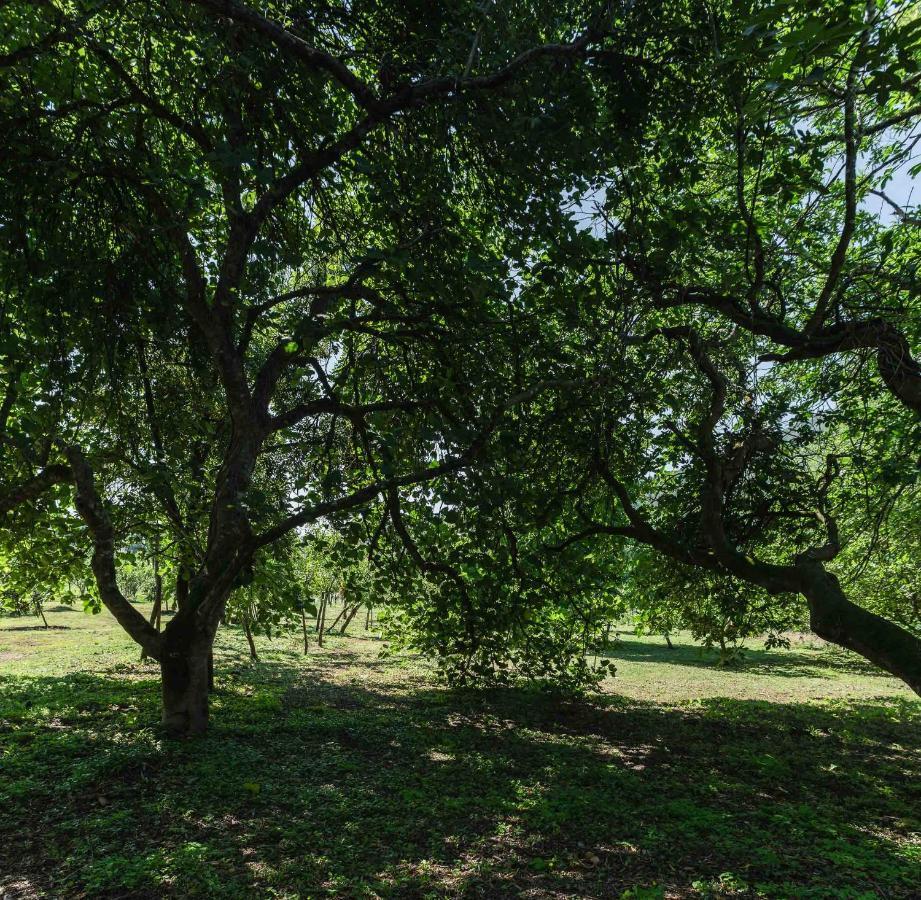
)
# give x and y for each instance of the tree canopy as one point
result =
(505, 298)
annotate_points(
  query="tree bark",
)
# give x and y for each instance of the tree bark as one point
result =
(832, 616)
(181, 596)
(184, 666)
(836, 619)
(41, 611)
(321, 620)
(34, 487)
(92, 510)
(304, 629)
(342, 614)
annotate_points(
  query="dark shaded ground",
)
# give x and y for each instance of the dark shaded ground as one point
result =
(351, 776)
(36, 628)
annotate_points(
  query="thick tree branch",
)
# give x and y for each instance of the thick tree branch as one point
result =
(449, 465)
(245, 228)
(93, 512)
(331, 406)
(287, 41)
(358, 497)
(34, 487)
(899, 370)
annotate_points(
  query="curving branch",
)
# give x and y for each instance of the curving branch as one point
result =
(898, 368)
(376, 110)
(331, 406)
(832, 616)
(34, 487)
(356, 498)
(93, 512)
(288, 42)
(428, 567)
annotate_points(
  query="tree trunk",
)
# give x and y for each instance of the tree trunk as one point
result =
(304, 628)
(368, 619)
(347, 612)
(247, 630)
(185, 671)
(338, 619)
(321, 613)
(836, 619)
(41, 611)
(668, 640)
(321, 621)
(351, 615)
(181, 596)
(156, 612)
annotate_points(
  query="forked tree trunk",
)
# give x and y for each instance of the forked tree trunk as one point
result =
(349, 617)
(836, 619)
(338, 618)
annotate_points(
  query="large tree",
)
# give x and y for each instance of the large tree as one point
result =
(781, 241)
(751, 301)
(253, 273)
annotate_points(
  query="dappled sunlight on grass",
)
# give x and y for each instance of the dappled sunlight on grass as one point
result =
(343, 774)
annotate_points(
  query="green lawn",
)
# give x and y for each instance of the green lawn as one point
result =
(345, 775)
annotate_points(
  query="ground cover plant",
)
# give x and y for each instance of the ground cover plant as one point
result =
(345, 774)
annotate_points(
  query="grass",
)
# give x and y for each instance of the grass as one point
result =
(342, 774)
(809, 670)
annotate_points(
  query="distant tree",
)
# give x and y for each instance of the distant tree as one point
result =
(720, 612)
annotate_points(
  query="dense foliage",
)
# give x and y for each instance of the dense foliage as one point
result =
(459, 300)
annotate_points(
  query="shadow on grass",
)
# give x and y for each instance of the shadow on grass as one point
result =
(307, 785)
(35, 628)
(783, 663)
